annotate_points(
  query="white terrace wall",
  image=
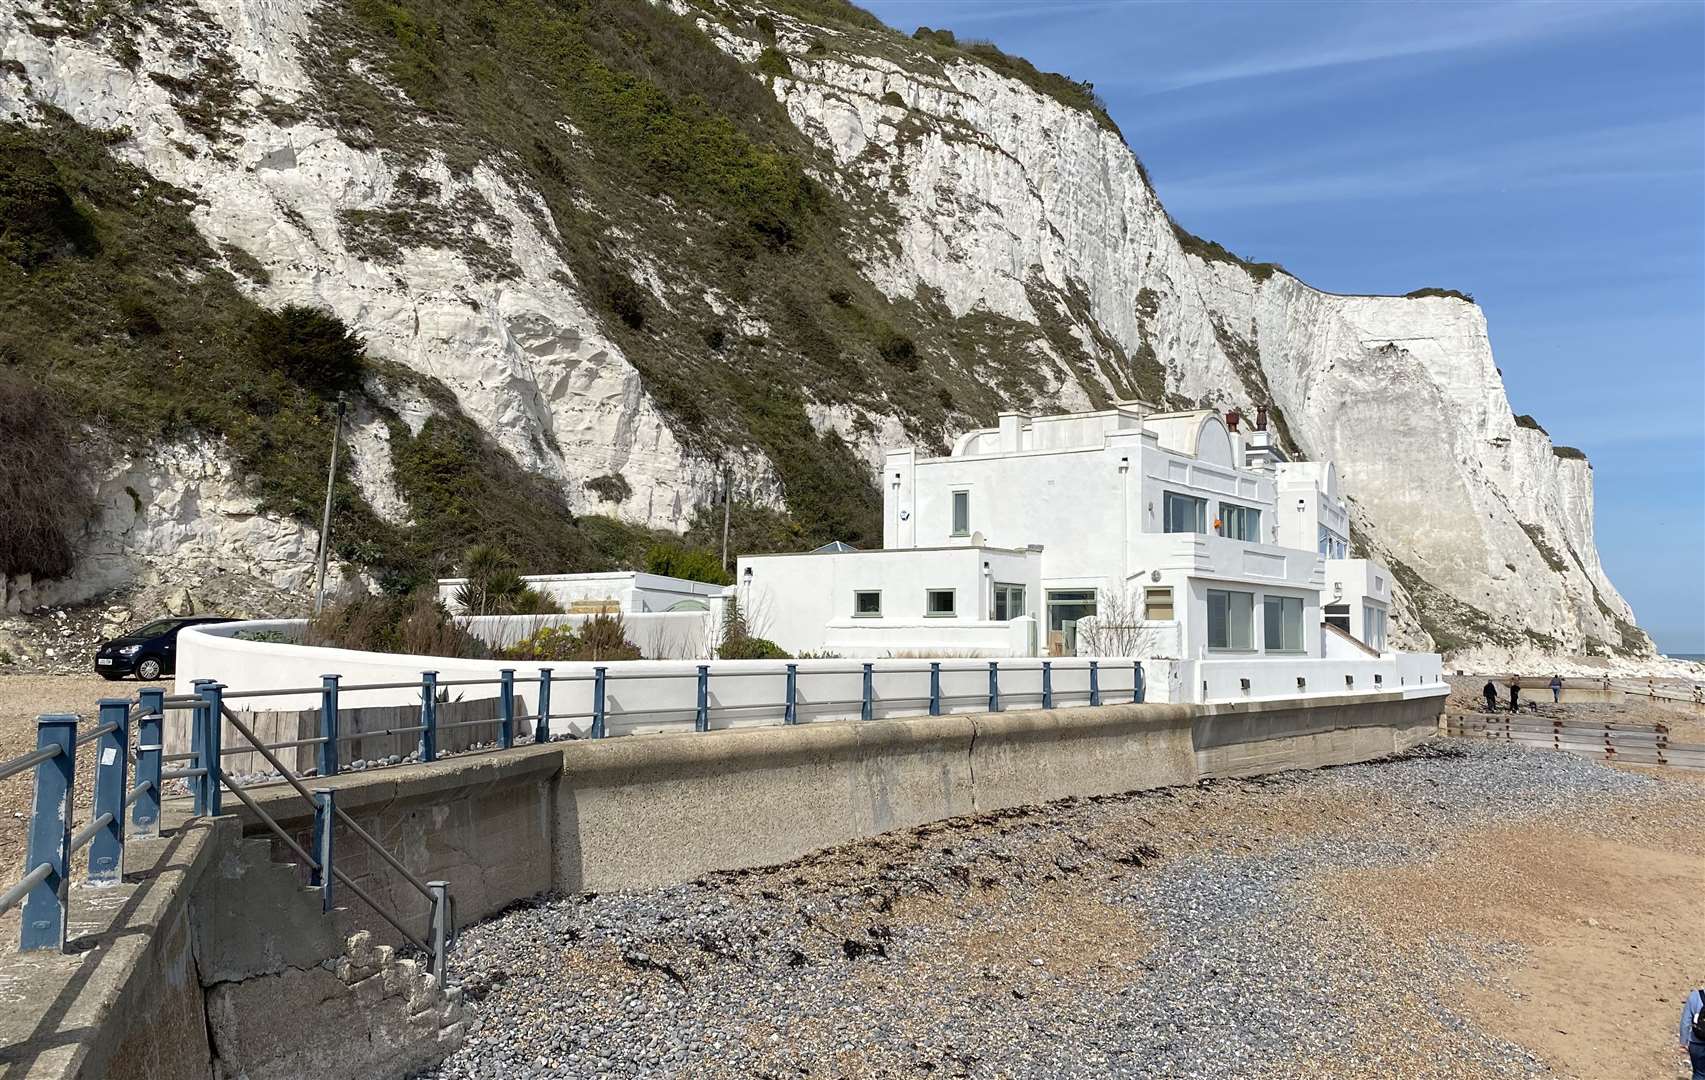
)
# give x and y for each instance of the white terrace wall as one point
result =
(660, 635)
(654, 695)
(641, 695)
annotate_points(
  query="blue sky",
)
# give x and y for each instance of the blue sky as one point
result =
(1548, 158)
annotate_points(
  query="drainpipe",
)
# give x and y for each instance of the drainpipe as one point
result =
(1125, 521)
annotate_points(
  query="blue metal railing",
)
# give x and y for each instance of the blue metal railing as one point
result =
(122, 811)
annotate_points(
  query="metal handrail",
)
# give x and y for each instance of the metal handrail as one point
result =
(95, 733)
(14, 896)
(243, 729)
(87, 832)
(278, 830)
(26, 761)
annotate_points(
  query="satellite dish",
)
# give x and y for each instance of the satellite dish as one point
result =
(978, 539)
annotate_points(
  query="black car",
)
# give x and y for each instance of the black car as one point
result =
(149, 652)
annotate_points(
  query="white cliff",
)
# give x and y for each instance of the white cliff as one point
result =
(522, 354)
(1004, 184)
(999, 197)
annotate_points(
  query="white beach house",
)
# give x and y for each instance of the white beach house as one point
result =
(1117, 532)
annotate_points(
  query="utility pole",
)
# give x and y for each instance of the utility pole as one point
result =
(326, 520)
(727, 499)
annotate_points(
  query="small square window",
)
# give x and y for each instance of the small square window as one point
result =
(867, 604)
(940, 603)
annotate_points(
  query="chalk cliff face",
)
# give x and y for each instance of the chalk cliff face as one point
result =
(989, 198)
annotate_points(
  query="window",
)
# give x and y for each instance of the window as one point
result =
(1240, 522)
(1231, 620)
(1157, 603)
(1373, 626)
(961, 513)
(1185, 513)
(1009, 602)
(1282, 616)
(1332, 545)
(1065, 608)
(1339, 615)
(867, 605)
(940, 604)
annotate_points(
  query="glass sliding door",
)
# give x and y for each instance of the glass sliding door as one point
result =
(1065, 608)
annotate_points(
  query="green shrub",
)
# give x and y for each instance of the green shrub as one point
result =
(602, 637)
(39, 218)
(415, 624)
(626, 300)
(45, 480)
(739, 643)
(1433, 291)
(493, 586)
(691, 563)
(275, 637)
(1212, 251)
(893, 98)
(1525, 421)
(612, 487)
(1569, 453)
(312, 347)
(773, 62)
(898, 349)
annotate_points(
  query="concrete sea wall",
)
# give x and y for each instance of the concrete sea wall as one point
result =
(645, 811)
(214, 960)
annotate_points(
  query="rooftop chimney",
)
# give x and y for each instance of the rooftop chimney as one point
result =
(1260, 418)
(1232, 418)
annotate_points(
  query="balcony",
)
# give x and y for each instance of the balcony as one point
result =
(1219, 557)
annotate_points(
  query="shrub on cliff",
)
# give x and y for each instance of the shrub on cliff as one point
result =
(39, 219)
(44, 487)
(314, 348)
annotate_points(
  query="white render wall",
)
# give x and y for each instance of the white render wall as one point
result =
(661, 695)
(632, 591)
(804, 603)
(660, 635)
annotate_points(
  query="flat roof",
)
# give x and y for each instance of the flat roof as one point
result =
(895, 551)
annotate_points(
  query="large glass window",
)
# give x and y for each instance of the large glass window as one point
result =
(1373, 626)
(961, 513)
(1231, 620)
(1282, 618)
(867, 604)
(1185, 513)
(1240, 522)
(940, 603)
(1332, 545)
(1065, 608)
(1009, 602)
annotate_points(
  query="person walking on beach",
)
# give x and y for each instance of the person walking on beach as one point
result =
(1491, 693)
(1556, 688)
(1515, 693)
(1693, 1031)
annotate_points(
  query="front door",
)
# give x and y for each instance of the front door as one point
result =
(1065, 608)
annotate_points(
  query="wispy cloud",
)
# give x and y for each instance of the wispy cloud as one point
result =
(1372, 33)
(1641, 151)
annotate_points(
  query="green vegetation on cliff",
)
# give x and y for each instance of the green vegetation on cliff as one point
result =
(115, 312)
